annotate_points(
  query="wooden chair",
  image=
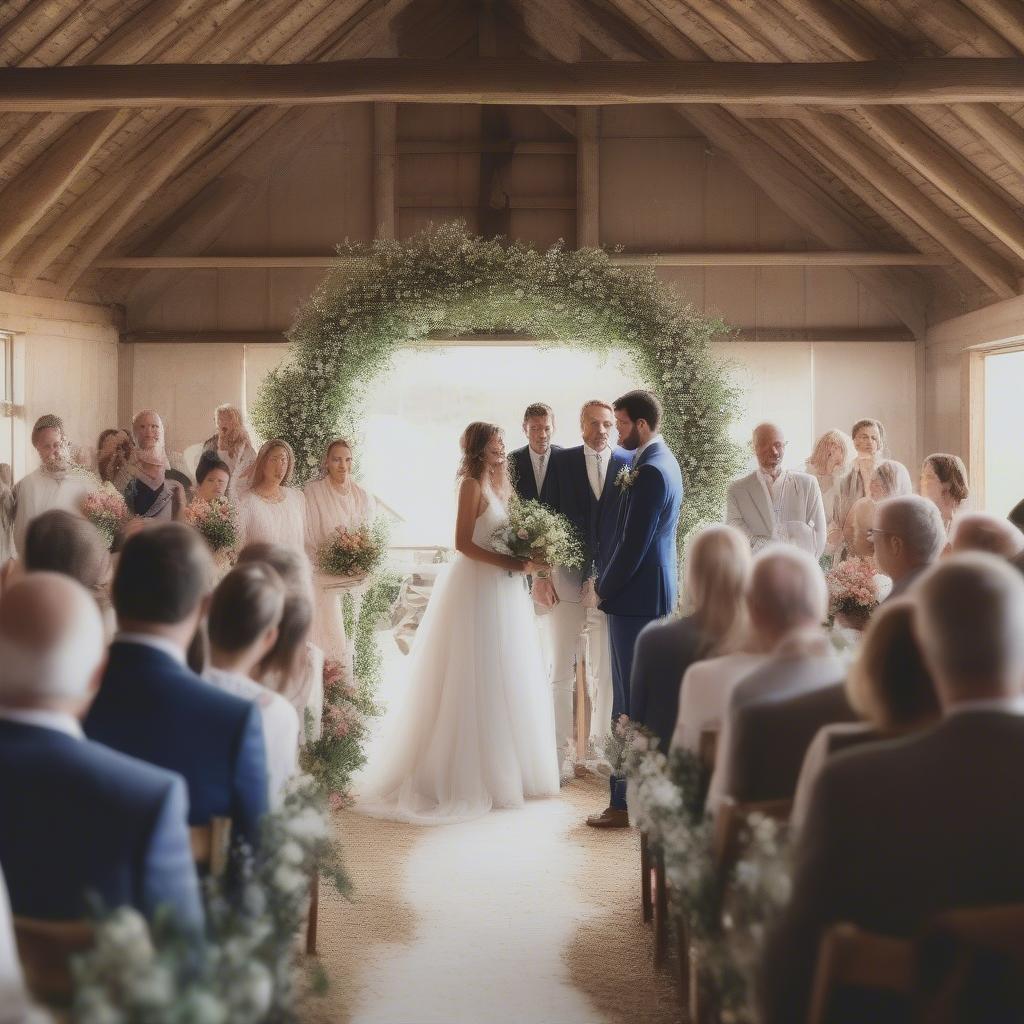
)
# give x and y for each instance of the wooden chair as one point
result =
(849, 957)
(45, 949)
(211, 845)
(646, 868)
(730, 820)
(313, 920)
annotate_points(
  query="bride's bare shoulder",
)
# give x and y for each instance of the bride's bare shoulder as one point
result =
(472, 496)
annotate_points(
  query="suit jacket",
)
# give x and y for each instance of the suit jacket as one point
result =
(525, 482)
(640, 577)
(78, 818)
(594, 519)
(664, 650)
(897, 831)
(803, 513)
(156, 709)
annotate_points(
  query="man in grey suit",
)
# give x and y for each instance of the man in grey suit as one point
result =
(776, 504)
(908, 536)
(759, 750)
(900, 830)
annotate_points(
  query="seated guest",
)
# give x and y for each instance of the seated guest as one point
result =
(232, 445)
(717, 567)
(153, 707)
(293, 667)
(908, 536)
(242, 628)
(113, 457)
(213, 478)
(55, 484)
(944, 481)
(828, 464)
(776, 504)
(980, 531)
(889, 480)
(759, 753)
(80, 818)
(15, 1006)
(900, 830)
(888, 685)
(152, 494)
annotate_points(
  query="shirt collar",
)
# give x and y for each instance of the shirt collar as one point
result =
(156, 643)
(536, 458)
(44, 718)
(767, 476)
(588, 451)
(653, 440)
(1007, 705)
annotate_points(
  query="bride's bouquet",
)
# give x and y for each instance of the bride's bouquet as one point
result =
(107, 510)
(217, 521)
(353, 552)
(535, 532)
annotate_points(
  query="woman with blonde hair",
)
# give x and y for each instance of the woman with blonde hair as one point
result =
(273, 512)
(828, 464)
(476, 729)
(715, 581)
(944, 482)
(233, 445)
(333, 501)
(889, 480)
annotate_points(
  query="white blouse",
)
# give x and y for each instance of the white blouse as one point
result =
(327, 509)
(274, 522)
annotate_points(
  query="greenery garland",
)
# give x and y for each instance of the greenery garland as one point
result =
(445, 280)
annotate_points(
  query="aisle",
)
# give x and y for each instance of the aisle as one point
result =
(524, 917)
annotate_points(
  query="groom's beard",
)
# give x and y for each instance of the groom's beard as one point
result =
(630, 442)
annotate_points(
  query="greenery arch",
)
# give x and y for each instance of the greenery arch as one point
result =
(395, 294)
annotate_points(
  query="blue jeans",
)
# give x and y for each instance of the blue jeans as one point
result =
(622, 631)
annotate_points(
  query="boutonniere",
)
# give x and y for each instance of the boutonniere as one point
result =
(626, 478)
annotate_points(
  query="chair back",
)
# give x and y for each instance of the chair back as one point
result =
(707, 749)
(730, 820)
(849, 957)
(211, 845)
(45, 949)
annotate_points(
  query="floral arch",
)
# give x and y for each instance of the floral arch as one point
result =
(389, 295)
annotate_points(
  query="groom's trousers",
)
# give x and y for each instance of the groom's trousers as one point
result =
(623, 631)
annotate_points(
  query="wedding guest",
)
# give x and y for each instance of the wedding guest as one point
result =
(273, 512)
(829, 462)
(1016, 516)
(233, 445)
(908, 536)
(584, 492)
(213, 478)
(776, 504)
(81, 818)
(980, 531)
(333, 501)
(54, 484)
(529, 466)
(113, 457)
(944, 481)
(760, 752)
(148, 432)
(869, 443)
(15, 1005)
(717, 570)
(889, 480)
(152, 494)
(152, 706)
(6, 516)
(294, 667)
(901, 830)
(888, 685)
(242, 628)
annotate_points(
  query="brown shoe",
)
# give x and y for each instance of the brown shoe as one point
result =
(610, 817)
(581, 771)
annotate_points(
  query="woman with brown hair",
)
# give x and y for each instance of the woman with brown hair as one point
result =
(476, 729)
(273, 512)
(944, 482)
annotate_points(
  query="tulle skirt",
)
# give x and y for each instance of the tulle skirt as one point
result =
(476, 727)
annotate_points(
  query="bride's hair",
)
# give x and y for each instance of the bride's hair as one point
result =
(474, 441)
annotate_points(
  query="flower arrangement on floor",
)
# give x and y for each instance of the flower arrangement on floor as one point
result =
(855, 589)
(353, 552)
(107, 510)
(665, 796)
(390, 294)
(244, 972)
(217, 521)
(538, 533)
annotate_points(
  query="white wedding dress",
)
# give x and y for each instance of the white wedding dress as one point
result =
(475, 729)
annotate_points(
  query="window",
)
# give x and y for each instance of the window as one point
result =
(8, 410)
(1003, 426)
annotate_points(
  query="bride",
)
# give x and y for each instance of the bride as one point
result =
(476, 728)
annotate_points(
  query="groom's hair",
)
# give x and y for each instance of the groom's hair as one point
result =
(640, 405)
(538, 409)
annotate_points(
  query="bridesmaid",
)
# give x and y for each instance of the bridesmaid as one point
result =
(944, 482)
(273, 512)
(828, 464)
(333, 500)
(869, 443)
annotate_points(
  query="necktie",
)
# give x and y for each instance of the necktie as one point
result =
(600, 473)
(540, 471)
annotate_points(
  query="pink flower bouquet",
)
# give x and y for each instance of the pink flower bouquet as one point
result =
(352, 552)
(217, 521)
(106, 510)
(854, 589)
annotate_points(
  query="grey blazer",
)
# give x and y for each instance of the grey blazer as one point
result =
(897, 831)
(803, 513)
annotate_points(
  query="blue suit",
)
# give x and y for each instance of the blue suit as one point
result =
(639, 582)
(156, 709)
(525, 483)
(78, 818)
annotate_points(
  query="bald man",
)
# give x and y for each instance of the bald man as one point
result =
(777, 504)
(980, 531)
(81, 819)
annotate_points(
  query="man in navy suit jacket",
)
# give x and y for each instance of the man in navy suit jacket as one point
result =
(78, 819)
(585, 493)
(152, 706)
(530, 467)
(639, 582)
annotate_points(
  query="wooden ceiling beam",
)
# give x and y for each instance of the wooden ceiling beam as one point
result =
(866, 83)
(1004, 17)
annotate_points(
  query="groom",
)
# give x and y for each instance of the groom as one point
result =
(638, 583)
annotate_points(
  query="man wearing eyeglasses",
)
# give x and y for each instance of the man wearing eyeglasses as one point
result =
(776, 504)
(908, 536)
